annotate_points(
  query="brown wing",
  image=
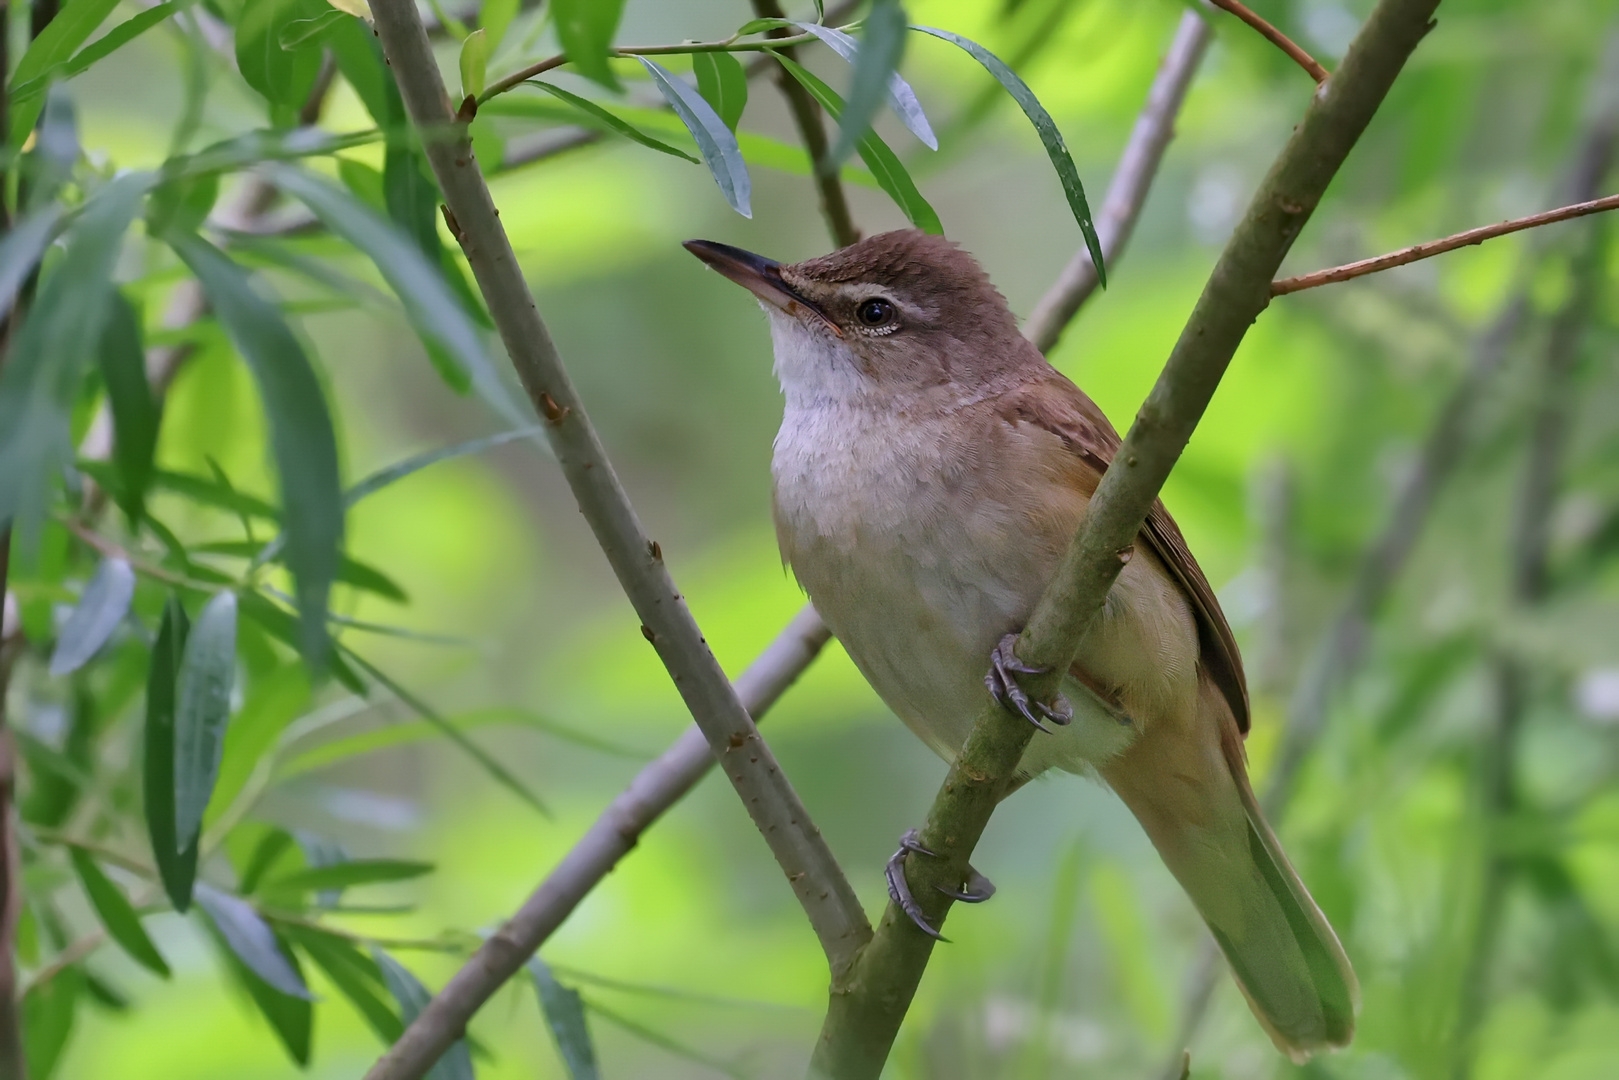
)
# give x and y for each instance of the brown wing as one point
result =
(1062, 408)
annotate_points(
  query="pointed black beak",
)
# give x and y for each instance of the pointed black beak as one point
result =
(761, 277)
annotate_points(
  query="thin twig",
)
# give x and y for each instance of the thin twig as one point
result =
(866, 1009)
(1428, 250)
(1127, 191)
(1275, 37)
(613, 835)
(816, 879)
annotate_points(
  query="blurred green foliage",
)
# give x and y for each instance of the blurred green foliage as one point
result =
(498, 616)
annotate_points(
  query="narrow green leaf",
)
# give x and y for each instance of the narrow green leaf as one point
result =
(474, 62)
(1050, 137)
(136, 411)
(210, 492)
(882, 46)
(380, 479)
(364, 181)
(21, 249)
(40, 381)
(47, 1020)
(301, 437)
(760, 26)
(723, 84)
(284, 76)
(177, 869)
(419, 283)
(100, 49)
(586, 28)
(356, 976)
(296, 32)
(49, 165)
(117, 914)
(882, 161)
(607, 121)
(502, 775)
(284, 627)
(257, 147)
(495, 16)
(101, 607)
(73, 24)
(565, 1016)
(715, 141)
(412, 997)
(275, 843)
(350, 571)
(342, 875)
(207, 674)
(901, 98)
(252, 940)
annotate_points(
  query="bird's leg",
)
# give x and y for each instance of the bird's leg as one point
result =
(978, 888)
(1004, 667)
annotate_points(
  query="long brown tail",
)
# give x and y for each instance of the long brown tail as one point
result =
(1188, 785)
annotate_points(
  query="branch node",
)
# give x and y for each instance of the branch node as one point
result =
(554, 413)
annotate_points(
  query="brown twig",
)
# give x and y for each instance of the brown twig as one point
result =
(1428, 250)
(1127, 191)
(1275, 37)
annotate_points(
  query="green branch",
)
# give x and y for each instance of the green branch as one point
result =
(868, 1005)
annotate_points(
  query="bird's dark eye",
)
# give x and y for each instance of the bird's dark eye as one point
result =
(875, 312)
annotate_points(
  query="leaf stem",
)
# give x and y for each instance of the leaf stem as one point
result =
(1275, 37)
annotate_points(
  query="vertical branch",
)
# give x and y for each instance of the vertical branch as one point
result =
(12, 1064)
(807, 115)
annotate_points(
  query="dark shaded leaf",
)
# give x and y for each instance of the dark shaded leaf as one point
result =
(275, 843)
(210, 492)
(281, 625)
(177, 869)
(565, 1016)
(21, 249)
(882, 46)
(283, 76)
(47, 1020)
(102, 47)
(252, 940)
(606, 121)
(117, 915)
(291, 1016)
(723, 84)
(102, 606)
(301, 437)
(901, 98)
(350, 571)
(882, 161)
(136, 411)
(412, 997)
(181, 205)
(355, 975)
(1050, 137)
(359, 58)
(207, 675)
(341, 875)
(40, 381)
(414, 275)
(47, 53)
(364, 181)
(586, 28)
(715, 141)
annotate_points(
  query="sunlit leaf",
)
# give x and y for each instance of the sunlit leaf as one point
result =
(901, 98)
(176, 868)
(136, 411)
(301, 436)
(46, 54)
(356, 976)
(882, 46)
(586, 28)
(565, 1016)
(723, 84)
(495, 16)
(100, 49)
(342, 875)
(303, 31)
(412, 997)
(882, 162)
(275, 843)
(602, 119)
(474, 62)
(257, 147)
(47, 1012)
(715, 141)
(252, 940)
(101, 607)
(1050, 137)
(40, 380)
(117, 915)
(207, 675)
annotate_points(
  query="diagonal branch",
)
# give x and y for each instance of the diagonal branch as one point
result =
(1275, 37)
(1428, 250)
(1127, 191)
(867, 1007)
(828, 901)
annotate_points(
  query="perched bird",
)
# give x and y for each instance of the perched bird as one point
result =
(930, 470)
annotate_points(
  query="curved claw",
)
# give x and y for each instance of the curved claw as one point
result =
(1004, 666)
(978, 888)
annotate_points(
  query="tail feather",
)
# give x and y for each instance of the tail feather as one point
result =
(1189, 788)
